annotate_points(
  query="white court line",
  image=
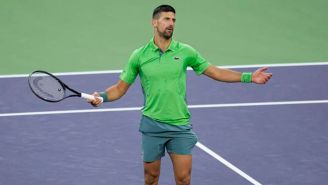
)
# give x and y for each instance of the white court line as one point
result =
(189, 106)
(201, 146)
(229, 66)
(227, 163)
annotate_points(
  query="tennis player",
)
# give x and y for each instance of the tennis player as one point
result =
(161, 65)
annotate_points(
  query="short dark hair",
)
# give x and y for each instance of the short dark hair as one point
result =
(162, 8)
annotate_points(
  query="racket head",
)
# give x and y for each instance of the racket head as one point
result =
(47, 87)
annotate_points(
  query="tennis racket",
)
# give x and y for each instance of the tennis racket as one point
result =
(49, 88)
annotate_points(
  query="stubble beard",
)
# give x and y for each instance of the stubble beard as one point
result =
(167, 33)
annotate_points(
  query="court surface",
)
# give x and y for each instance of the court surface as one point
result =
(276, 134)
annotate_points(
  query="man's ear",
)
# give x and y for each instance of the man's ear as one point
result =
(154, 22)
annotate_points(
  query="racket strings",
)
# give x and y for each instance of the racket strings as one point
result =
(47, 87)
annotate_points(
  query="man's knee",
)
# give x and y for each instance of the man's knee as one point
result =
(183, 179)
(151, 172)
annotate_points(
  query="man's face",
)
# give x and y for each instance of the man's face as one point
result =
(164, 24)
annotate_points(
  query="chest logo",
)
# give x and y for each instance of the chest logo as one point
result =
(176, 58)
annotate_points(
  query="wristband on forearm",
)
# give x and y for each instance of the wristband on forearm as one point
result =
(246, 77)
(105, 96)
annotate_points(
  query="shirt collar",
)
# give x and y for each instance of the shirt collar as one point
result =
(172, 46)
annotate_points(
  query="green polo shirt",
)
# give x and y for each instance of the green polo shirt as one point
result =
(163, 79)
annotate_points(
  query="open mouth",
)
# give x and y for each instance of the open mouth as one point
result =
(169, 28)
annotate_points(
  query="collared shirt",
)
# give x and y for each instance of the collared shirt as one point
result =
(163, 79)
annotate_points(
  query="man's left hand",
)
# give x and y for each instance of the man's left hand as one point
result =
(260, 76)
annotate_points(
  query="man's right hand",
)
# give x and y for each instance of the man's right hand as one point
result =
(97, 101)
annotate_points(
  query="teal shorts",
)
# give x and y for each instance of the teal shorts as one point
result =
(158, 137)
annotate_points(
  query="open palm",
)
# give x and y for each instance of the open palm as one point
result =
(260, 76)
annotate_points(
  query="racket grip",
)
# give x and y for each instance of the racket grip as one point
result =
(90, 97)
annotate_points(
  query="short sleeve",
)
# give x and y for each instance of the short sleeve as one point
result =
(198, 63)
(131, 70)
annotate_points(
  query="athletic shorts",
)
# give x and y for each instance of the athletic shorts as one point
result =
(158, 137)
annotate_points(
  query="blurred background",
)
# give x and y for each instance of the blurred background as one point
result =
(85, 35)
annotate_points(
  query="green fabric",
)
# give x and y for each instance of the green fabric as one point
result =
(163, 79)
(154, 128)
(246, 77)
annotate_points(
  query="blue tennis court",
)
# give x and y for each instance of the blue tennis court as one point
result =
(276, 134)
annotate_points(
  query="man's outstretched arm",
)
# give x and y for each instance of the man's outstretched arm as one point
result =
(112, 93)
(260, 76)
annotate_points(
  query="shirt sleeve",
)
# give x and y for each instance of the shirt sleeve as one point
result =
(131, 70)
(198, 63)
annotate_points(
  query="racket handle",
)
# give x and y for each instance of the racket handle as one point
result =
(91, 97)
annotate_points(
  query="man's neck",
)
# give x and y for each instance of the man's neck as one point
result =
(162, 43)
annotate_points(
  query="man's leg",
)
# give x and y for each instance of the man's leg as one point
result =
(152, 172)
(182, 168)
(153, 150)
